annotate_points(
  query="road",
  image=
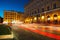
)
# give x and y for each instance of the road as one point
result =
(22, 34)
(28, 32)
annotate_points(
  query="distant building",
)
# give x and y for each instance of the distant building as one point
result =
(10, 16)
(44, 11)
(1, 20)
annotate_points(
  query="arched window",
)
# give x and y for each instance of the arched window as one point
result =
(48, 16)
(54, 6)
(55, 19)
(55, 15)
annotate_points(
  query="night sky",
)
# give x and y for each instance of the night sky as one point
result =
(17, 5)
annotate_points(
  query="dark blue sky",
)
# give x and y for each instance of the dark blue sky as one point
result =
(17, 5)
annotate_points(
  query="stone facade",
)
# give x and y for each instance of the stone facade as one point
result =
(46, 8)
(10, 16)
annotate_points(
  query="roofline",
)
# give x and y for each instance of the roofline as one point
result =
(12, 11)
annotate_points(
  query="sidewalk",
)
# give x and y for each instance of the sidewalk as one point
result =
(7, 36)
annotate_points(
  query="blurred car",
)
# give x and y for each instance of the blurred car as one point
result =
(6, 32)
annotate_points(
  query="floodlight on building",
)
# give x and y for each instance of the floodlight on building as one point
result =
(42, 17)
(13, 21)
(27, 20)
(55, 18)
(5, 22)
(59, 17)
(35, 18)
(31, 19)
(48, 19)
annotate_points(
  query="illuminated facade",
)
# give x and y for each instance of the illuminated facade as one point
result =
(10, 16)
(45, 11)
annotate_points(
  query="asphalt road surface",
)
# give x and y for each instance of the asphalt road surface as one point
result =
(22, 34)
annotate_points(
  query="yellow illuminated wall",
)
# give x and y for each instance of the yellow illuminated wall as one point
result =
(12, 15)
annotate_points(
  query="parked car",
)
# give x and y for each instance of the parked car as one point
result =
(6, 32)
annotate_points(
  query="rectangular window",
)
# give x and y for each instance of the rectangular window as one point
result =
(38, 11)
(32, 13)
(42, 0)
(42, 9)
(48, 8)
(6, 18)
(35, 12)
(54, 6)
(38, 15)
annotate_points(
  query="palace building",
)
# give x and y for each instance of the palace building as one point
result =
(43, 11)
(10, 16)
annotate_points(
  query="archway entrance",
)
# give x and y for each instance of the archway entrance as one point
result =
(48, 19)
(55, 19)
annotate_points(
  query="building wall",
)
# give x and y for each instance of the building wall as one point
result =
(39, 4)
(40, 7)
(10, 16)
